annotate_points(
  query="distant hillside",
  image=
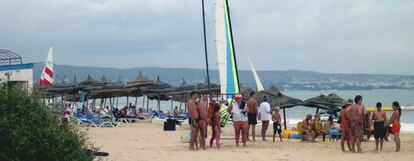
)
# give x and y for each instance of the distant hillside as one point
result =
(285, 80)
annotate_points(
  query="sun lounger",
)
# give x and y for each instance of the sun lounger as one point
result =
(128, 120)
(100, 123)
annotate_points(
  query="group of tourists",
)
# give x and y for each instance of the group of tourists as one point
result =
(353, 124)
(264, 114)
(352, 121)
(200, 118)
(244, 116)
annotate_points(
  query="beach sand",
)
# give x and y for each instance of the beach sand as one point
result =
(148, 141)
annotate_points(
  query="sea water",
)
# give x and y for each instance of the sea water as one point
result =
(295, 114)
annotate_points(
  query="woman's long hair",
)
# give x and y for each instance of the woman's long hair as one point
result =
(396, 104)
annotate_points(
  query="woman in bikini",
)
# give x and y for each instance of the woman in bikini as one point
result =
(345, 121)
(215, 125)
(307, 128)
(395, 124)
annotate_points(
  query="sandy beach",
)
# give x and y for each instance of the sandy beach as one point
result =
(148, 141)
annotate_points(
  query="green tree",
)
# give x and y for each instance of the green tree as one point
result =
(29, 131)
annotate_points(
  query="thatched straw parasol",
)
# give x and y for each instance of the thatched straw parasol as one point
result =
(140, 81)
(330, 102)
(277, 98)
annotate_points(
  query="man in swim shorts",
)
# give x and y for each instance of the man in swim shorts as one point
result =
(202, 122)
(356, 128)
(194, 117)
(379, 118)
(252, 114)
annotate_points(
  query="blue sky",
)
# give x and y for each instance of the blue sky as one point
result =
(341, 36)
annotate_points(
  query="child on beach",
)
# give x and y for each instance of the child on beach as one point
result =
(319, 130)
(277, 124)
(215, 125)
(330, 128)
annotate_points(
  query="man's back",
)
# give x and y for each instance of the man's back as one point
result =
(356, 112)
(265, 111)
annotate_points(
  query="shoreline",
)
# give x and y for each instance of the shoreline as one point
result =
(148, 141)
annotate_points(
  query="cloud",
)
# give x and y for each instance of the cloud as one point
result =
(369, 36)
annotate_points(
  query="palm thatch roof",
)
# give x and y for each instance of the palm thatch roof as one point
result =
(275, 97)
(329, 102)
(140, 81)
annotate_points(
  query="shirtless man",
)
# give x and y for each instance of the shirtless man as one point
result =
(395, 122)
(194, 117)
(252, 115)
(202, 122)
(356, 114)
(379, 118)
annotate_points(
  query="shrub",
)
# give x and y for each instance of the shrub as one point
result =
(29, 131)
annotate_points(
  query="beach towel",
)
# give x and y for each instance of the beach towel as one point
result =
(224, 116)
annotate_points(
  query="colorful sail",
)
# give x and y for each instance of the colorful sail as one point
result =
(259, 84)
(46, 79)
(225, 51)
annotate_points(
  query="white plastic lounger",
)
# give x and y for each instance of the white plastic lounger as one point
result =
(128, 120)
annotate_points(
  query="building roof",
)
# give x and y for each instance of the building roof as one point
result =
(9, 58)
(16, 67)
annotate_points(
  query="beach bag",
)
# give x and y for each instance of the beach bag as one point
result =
(185, 138)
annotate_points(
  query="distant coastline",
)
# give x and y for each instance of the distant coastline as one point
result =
(286, 80)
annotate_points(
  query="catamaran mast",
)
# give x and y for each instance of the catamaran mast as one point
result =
(205, 49)
(232, 41)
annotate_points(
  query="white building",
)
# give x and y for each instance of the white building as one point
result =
(14, 72)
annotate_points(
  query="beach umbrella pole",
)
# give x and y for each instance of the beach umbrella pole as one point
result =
(143, 101)
(110, 102)
(284, 117)
(172, 104)
(158, 102)
(101, 104)
(147, 103)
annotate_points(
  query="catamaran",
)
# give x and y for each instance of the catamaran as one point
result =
(226, 54)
